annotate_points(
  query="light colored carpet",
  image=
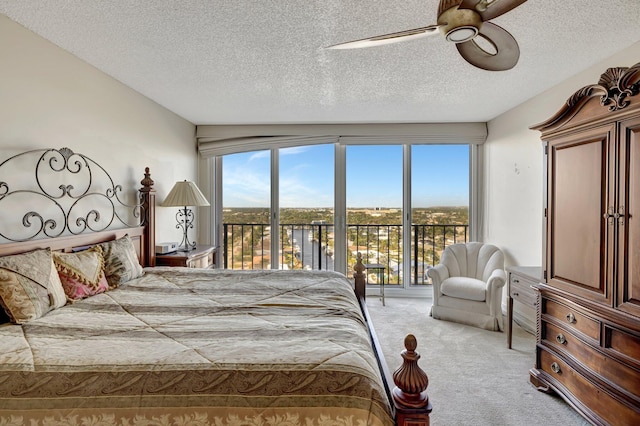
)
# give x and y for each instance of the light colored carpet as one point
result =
(473, 378)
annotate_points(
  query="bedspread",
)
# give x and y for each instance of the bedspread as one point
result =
(184, 346)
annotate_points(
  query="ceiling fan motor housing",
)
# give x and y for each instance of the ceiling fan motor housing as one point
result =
(458, 25)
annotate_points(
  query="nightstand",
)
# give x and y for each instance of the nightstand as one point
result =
(200, 257)
(519, 282)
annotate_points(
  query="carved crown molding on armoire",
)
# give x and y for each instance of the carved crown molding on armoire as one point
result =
(614, 89)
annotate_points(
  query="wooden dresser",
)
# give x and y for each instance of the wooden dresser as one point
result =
(588, 318)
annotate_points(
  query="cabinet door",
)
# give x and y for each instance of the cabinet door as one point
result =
(629, 221)
(579, 237)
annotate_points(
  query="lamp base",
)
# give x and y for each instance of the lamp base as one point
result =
(185, 221)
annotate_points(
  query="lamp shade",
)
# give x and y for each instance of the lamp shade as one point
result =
(185, 193)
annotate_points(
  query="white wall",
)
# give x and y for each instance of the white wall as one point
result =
(51, 99)
(513, 167)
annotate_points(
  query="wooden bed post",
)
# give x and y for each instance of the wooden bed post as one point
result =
(359, 277)
(410, 394)
(148, 195)
(410, 399)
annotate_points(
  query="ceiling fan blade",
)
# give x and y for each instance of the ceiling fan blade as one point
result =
(490, 9)
(387, 38)
(506, 53)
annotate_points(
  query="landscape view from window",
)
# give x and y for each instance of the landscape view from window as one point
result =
(374, 176)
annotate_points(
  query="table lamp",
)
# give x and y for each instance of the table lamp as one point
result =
(184, 194)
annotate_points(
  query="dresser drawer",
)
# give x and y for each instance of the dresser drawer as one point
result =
(572, 319)
(606, 367)
(610, 409)
(202, 261)
(520, 290)
(624, 344)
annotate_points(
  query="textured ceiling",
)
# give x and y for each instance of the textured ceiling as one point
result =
(258, 62)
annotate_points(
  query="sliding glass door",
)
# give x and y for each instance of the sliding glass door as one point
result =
(374, 210)
(439, 204)
(306, 197)
(317, 206)
(246, 212)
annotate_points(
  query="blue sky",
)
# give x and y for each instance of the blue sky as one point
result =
(440, 176)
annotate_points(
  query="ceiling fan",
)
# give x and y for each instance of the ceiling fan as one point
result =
(465, 23)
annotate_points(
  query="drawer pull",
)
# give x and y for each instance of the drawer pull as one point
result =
(515, 280)
(555, 368)
(515, 293)
(571, 318)
(561, 339)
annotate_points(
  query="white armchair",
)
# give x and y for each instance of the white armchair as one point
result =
(467, 285)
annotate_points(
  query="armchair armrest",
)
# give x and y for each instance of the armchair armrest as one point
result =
(438, 274)
(497, 279)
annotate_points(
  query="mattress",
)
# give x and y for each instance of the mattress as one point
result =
(193, 346)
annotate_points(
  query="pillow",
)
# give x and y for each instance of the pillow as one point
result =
(120, 261)
(29, 285)
(81, 273)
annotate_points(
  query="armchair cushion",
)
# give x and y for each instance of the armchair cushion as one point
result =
(464, 288)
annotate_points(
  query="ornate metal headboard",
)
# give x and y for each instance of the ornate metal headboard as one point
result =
(70, 194)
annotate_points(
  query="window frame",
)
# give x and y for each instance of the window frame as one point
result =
(212, 148)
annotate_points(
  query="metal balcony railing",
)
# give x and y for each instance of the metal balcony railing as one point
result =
(310, 246)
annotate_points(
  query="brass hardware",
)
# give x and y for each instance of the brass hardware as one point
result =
(621, 215)
(611, 214)
(561, 339)
(555, 368)
(516, 294)
(515, 280)
(571, 318)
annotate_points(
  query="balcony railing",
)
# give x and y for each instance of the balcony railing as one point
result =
(310, 246)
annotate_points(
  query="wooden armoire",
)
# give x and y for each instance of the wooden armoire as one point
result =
(588, 319)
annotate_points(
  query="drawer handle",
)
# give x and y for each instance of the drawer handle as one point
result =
(555, 368)
(515, 280)
(561, 339)
(515, 293)
(571, 318)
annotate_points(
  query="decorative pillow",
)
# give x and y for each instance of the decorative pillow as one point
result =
(29, 285)
(81, 273)
(120, 261)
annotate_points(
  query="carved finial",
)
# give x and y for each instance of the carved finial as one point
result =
(147, 182)
(619, 84)
(411, 381)
(359, 266)
(410, 343)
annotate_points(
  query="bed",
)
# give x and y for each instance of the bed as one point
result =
(130, 345)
